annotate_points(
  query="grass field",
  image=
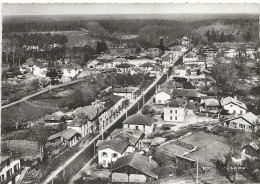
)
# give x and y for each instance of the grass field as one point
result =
(210, 146)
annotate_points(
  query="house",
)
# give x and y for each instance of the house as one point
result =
(71, 70)
(53, 119)
(68, 136)
(191, 94)
(10, 170)
(141, 122)
(118, 61)
(126, 92)
(210, 106)
(246, 122)
(252, 149)
(185, 41)
(153, 52)
(90, 114)
(180, 71)
(93, 64)
(250, 52)
(177, 85)
(191, 56)
(82, 126)
(147, 66)
(175, 110)
(231, 53)
(134, 138)
(162, 96)
(110, 150)
(233, 106)
(39, 71)
(135, 168)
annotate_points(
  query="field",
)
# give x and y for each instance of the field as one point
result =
(209, 147)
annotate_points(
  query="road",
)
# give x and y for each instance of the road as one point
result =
(40, 92)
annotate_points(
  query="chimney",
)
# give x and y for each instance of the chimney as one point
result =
(150, 157)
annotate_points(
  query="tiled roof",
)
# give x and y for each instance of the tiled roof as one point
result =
(211, 102)
(163, 89)
(126, 134)
(249, 117)
(67, 134)
(185, 92)
(125, 90)
(91, 111)
(115, 144)
(228, 100)
(140, 119)
(178, 102)
(139, 162)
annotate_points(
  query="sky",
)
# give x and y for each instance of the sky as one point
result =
(56, 9)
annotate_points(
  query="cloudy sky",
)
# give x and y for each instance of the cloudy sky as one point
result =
(53, 9)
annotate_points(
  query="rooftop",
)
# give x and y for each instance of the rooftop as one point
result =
(177, 102)
(140, 119)
(125, 90)
(139, 162)
(116, 144)
(90, 111)
(185, 92)
(228, 100)
(66, 134)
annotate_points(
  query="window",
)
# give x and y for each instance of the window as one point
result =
(241, 126)
(234, 111)
(128, 125)
(114, 155)
(175, 117)
(159, 101)
(143, 127)
(104, 154)
(170, 117)
(231, 105)
(241, 111)
(16, 167)
(2, 178)
(171, 111)
(136, 127)
(250, 127)
(176, 111)
(8, 162)
(9, 173)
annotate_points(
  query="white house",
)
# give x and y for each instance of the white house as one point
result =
(180, 71)
(10, 170)
(247, 122)
(191, 56)
(92, 64)
(231, 53)
(175, 110)
(250, 52)
(162, 96)
(68, 136)
(39, 71)
(127, 92)
(110, 150)
(233, 106)
(83, 126)
(71, 70)
(141, 122)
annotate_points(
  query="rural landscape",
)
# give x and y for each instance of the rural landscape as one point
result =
(130, 98)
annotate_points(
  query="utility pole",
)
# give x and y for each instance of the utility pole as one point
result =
(197, 177)
(102, 131)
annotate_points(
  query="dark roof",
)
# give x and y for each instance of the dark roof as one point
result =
(127, 134)
(185, 92)
(178, 102)
(139, 162)
(140, 119)
(90, 111)
(125, 90)
(148, 64)
(178, 84)
(66, 134)
(115, 144)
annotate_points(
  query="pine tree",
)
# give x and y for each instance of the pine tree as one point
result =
(103, 46)
(99, 47)
(161, 46)
(222, 37)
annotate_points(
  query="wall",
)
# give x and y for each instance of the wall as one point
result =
(162, 97)
(13, 162)
(109, 156)
(234, 108)
(171, 115)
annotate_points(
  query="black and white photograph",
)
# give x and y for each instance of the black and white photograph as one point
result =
(149, 93)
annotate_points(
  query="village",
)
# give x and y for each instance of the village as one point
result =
(108, 111)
